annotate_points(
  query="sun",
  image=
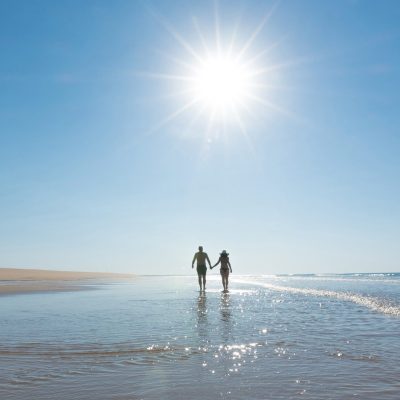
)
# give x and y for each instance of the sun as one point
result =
(221, 83)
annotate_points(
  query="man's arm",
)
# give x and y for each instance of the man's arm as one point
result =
(209, 263)
(194, 259)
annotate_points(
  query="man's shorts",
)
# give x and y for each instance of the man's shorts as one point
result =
(201, 269)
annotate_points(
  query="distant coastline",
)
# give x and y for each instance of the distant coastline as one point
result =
(18, 280)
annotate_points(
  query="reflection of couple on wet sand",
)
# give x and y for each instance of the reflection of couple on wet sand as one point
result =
(201, 257)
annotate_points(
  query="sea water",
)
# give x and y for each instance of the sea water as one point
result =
(270, 337)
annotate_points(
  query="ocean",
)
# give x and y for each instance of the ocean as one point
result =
(270, 337)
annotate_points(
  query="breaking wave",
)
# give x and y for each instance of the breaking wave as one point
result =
(373, 303)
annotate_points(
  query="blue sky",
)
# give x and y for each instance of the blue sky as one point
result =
(91, 179)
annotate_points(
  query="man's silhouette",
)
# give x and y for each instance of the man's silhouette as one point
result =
(201, 258)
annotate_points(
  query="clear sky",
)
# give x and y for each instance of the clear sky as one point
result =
(100, 171)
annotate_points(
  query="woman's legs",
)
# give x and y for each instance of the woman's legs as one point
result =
(226, 281)
(224, 276)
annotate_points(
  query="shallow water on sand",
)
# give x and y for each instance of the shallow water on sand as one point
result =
(309, 337)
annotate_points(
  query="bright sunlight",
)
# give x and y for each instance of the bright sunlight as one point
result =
(221, 83)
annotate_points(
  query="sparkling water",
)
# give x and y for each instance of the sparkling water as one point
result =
(270, 337)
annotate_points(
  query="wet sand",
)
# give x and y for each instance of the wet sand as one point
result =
(15, 280)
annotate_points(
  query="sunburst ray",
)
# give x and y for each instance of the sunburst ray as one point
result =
(256, 32)
(223, 81)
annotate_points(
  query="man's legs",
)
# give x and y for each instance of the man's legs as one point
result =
(204, 282)
(199, 280)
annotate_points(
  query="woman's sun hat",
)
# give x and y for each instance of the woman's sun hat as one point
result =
(224, 253)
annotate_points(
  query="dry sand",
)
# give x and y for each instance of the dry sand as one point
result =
(13, 280)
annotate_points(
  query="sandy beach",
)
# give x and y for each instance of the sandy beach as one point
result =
(15, 280)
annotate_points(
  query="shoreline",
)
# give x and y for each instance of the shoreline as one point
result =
(15, 281)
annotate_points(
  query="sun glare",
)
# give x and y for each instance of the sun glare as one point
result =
(221, 83)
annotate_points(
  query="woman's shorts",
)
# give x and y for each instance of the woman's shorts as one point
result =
(224, 272)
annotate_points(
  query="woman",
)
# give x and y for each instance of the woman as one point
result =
(225, 268)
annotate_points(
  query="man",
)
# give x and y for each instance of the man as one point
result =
(201, 258)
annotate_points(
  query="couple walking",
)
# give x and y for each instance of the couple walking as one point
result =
(202, 257)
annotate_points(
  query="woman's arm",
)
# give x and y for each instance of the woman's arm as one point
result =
(216, 263)
(229, 263)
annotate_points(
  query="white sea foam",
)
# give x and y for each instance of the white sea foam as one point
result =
(373, 303)
(372, 278)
